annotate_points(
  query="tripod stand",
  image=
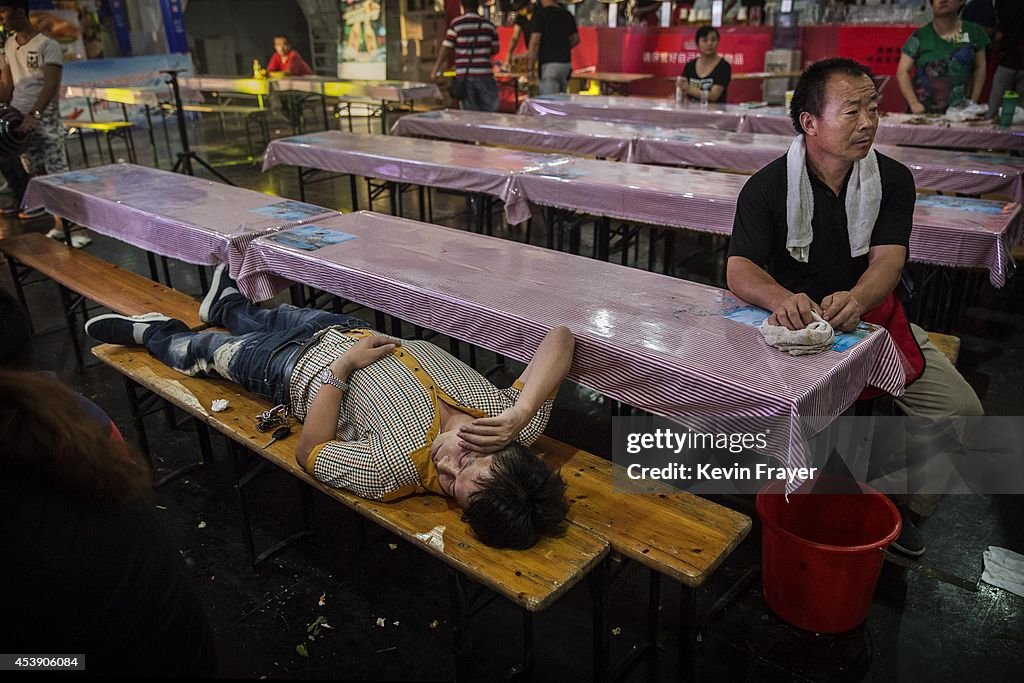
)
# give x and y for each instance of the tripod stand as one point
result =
(186, 156)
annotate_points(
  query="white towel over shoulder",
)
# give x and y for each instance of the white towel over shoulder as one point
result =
(863, 199)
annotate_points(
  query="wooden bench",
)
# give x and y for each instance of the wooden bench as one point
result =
(678, 535)
(81, 278)
(92, 279)
(109, 129)
(532, 579)
(252, 114)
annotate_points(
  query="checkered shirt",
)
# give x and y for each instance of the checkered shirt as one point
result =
(389, 416)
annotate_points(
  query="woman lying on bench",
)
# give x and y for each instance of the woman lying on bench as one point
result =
(383, 418)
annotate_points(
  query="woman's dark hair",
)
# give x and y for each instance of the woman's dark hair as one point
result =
(522, 501)
(47, 437)
(810, 93)
(705, 31)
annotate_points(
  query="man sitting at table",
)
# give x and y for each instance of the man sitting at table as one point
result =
(383, 418)
(287, 61)
(824, 231)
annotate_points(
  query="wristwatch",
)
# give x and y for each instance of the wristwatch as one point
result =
(37, 115)
(327, 377)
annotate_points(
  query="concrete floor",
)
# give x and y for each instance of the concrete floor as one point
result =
(919, 629)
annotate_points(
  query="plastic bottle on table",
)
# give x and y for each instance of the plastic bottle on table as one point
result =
(704, 90)
(680, 90)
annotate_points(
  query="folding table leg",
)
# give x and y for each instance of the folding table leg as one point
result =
(688, 634)
(597, 581)
(137, 418)
(461, 641)
(71, 318)
(524, 670)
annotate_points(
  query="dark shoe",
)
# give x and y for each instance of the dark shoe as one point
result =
(221, 286)
(29, 214)
(10, 211)
(125, 330)
(910, 541)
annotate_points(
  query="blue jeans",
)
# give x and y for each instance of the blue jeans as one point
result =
(554, 77)
(481, 94)
(259, 351)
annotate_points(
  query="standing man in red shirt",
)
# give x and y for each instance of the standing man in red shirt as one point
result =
(473, 41)
(287, 60)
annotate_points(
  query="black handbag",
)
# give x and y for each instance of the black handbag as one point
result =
(458, 89)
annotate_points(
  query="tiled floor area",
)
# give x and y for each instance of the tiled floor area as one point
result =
(919, 629)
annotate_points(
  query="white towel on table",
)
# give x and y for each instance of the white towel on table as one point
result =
(1004, 569)
(815, 338)
(863, 199)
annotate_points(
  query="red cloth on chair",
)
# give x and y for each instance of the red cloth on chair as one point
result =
(893, 318)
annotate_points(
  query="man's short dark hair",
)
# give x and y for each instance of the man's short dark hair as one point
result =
(284, 37)
(470, 5)
(809, 95)
(706, 30)
(15, 334)
(522, 501)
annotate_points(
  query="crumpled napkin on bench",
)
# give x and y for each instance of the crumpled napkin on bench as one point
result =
(815, 338)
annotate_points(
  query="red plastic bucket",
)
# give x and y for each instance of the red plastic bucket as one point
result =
(822, 552)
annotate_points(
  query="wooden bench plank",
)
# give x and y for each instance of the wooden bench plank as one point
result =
(99, 281)
(103, 126)
(532, 578)
(677, 534)
(224, 108)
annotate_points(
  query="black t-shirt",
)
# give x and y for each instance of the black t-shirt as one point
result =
(103, 579)
(555, 25)
(720, 75)
(524, 25)
(759, 231)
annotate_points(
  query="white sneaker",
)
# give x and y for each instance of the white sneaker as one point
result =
(79, 240)
(56, 234)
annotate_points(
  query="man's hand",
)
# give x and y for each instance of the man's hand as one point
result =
(917, 108)
(794, 312)
(364, 352)
(28, 124)
(491, 434)
(842, 311)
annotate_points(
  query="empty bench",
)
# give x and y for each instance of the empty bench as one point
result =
(109, 130)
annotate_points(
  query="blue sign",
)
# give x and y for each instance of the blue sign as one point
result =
(174, 26)
(119, 13)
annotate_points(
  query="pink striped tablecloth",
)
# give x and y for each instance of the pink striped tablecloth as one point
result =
(433, 163)
(894, 129)
(645, 110)
(588, 137)
(933, 169)
(948, 231)
(180, 216)
(655, 342)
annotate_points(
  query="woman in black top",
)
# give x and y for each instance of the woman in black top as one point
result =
(709, 71)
